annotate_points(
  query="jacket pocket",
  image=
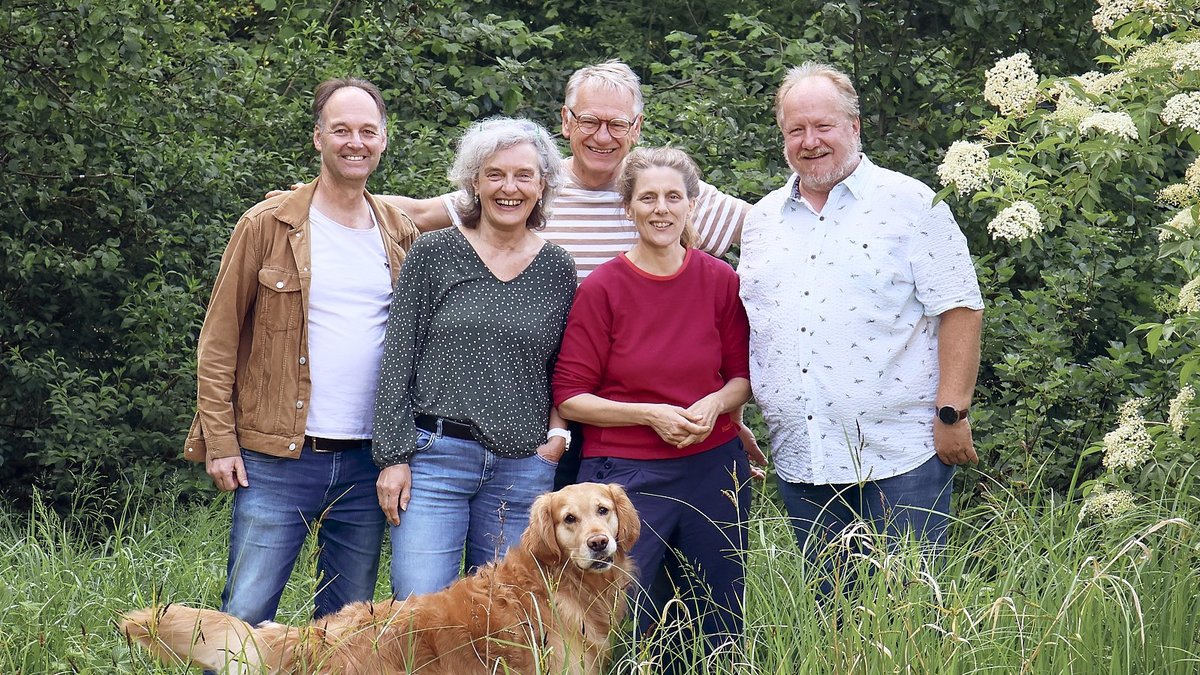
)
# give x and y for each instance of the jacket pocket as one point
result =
(278, 299)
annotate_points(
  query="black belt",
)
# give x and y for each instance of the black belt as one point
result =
(450, 428)
(335, 444)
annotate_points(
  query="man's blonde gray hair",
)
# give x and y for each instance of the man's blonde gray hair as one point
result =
(847, 99)
(611, 76)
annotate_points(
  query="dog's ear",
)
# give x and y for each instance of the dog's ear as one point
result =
(539, 538)
(629, 525)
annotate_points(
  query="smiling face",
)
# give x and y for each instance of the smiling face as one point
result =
(509, 185)
(659, 206)
(820, 140)
(351, 136)
(596, 157)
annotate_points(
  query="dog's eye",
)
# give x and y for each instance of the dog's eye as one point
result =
(569, 519)
(603, 510)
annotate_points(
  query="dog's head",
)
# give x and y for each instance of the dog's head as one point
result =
(589, 523)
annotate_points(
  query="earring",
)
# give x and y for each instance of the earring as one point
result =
(539, 202)
(476, 199)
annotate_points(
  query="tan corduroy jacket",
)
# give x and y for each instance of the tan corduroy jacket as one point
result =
(253, 382)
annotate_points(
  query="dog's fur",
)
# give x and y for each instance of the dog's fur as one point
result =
(547, 607)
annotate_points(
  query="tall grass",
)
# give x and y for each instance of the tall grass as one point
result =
(1022, 588)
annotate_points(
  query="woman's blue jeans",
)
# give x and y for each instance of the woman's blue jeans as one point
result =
(463, 495)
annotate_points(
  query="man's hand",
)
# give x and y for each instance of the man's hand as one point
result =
(394, 489)
(758, 461)
(953, 443)
(227, 473)
(276, 193)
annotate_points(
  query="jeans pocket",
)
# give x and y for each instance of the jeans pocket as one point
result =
(425, 440)
(545, 461)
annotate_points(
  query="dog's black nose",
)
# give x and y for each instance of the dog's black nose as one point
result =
(598, 543)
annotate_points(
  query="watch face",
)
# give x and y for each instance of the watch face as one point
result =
(948, 414)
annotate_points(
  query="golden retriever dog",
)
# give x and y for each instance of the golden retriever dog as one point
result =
(548, 608)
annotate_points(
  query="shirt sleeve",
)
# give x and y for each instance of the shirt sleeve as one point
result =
(942, 269)
(583, 356)
(230, 304)
(735, 333)
(449, 200)
(718, 220)
(395, 434)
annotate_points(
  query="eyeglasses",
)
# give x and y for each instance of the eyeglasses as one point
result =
(618, 127)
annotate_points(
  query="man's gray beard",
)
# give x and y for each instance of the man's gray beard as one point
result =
(825, 182)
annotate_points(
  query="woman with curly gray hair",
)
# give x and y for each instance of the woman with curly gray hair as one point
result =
(465, 434)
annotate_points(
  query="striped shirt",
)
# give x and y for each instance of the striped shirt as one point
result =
(592, 227)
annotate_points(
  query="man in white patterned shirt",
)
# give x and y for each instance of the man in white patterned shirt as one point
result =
(865, 317)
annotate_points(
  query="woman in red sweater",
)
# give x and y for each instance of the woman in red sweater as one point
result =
(655, 363)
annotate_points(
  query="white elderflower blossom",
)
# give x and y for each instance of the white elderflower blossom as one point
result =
(1182, 224)
(1017, 222)
(1180, 194)
(1187, 57)
(1096, 82)
(1192, 174)
(1189, 297)
(1115, 123)
(1011, 84)
(1129, 445)
(1110, 12)
(1153, 55)
(1183, 110)
(1071, 110)
(966, 166)
(1178, 412)
(1106, 504)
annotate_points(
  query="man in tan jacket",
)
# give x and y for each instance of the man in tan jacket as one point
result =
(287, 365)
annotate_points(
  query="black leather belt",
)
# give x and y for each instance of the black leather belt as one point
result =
(450, 428)
(335, 444)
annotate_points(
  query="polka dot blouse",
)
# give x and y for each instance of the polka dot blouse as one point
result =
(465, 346)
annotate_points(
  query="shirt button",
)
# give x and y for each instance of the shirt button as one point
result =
(810, 417)
(191, 449)
(804, 370)
(303, 360)
(822, 219)
(278, 284)
(802, 329)
(292, 446)
(813, 256)
(299, 404)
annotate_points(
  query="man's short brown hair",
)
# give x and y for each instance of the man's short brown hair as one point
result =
(324, 90)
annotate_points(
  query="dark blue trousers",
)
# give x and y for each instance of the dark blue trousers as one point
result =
(694, 512)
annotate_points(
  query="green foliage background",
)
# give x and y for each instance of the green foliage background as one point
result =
(134, 134)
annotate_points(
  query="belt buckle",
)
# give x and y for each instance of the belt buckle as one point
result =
(313, 443)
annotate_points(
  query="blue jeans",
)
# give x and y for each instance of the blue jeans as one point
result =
(694, 511)
(916, 502)
(462, 495)
(333, 492)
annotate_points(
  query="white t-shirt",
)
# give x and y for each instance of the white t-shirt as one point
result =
(843, 308)
(348, 302)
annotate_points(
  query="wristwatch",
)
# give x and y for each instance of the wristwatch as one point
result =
(561, 433)
(948, 414)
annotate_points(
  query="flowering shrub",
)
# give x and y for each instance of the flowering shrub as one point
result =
(1080, 195)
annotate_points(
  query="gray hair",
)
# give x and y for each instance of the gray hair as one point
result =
(611, 76)
(848, 99)
(668, 158)
(487, 137)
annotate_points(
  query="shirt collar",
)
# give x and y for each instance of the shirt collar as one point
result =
(857, 182)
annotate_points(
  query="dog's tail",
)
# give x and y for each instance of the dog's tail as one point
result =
(178, 634)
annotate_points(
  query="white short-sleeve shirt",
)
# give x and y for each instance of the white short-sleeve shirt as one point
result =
(843, 308)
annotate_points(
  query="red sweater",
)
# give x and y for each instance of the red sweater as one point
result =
(639, 338)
